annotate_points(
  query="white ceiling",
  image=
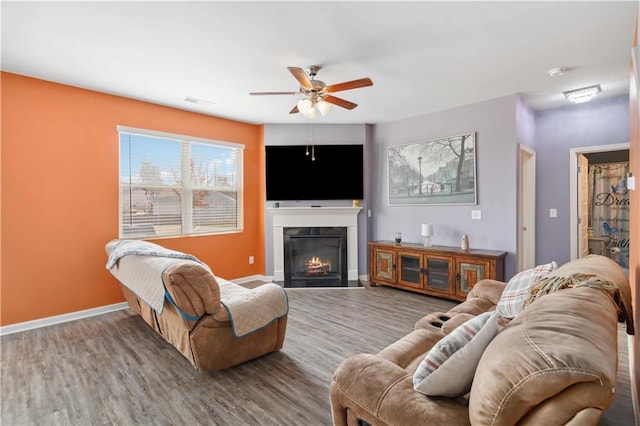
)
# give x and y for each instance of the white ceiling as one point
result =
(421, 56)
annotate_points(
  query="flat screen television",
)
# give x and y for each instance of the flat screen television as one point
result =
(336, 173)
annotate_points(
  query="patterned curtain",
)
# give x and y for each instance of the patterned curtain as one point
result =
(609, 203)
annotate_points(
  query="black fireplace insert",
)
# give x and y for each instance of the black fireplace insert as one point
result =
(315, 257)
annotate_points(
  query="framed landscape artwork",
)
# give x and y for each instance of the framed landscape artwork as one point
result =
(439, 171)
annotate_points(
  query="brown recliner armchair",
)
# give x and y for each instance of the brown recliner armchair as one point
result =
(194, 318)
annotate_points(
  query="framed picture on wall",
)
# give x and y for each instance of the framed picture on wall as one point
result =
(437, 172)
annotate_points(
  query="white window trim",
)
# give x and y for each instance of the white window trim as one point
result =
(165, 135)
(185, 138)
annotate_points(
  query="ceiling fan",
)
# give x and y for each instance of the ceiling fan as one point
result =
(316, 93)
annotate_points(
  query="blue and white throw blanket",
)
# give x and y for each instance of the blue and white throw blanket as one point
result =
(143, 248)
(139, 265)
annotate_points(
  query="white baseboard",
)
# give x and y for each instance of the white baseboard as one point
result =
(252, 278)
(58, 319)
(72, 316)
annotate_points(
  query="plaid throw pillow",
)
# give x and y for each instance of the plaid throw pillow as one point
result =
(516, 290)
(449, 367)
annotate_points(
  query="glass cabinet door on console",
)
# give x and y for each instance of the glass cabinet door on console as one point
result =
(383, 264)
(438, 273)
(425, 271)
(410, 269)
(469, 273)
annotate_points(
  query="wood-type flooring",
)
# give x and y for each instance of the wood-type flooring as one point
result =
(112, 369)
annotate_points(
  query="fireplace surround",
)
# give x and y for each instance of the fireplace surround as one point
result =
(315, 217)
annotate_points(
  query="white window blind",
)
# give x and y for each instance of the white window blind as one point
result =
(172, 185)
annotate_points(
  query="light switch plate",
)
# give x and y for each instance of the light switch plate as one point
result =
(553, 212)
(476, 214)
(631, 183)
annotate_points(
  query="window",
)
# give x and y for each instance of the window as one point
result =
(173, 185)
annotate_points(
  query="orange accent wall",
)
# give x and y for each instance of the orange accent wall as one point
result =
(59, 195)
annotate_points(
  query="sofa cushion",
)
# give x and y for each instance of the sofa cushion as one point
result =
(448, 368)
(510, 303)
(558, 355)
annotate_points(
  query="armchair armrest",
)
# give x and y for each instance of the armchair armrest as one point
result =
(414, 345)
(193, 288)
(487, 289)
(381, 393)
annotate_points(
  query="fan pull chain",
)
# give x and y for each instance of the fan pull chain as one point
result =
(308, 140)
(313, 147)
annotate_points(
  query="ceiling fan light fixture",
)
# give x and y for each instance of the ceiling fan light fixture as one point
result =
(584, 94)
(323, 107)
(305, 106)
(316, 93)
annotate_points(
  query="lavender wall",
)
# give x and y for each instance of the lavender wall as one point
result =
(600, 122)
(494, 122)
(500, 124)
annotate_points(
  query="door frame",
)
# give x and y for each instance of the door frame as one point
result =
(526, 207)
(573, 189)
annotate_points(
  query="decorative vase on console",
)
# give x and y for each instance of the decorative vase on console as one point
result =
(464, 244)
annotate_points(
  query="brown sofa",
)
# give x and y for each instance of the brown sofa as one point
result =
(554, 363)
(195, 321)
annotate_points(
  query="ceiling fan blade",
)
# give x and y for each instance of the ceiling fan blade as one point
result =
(301, 76)
(273, 93)
(347, 85)
(294, 110)
(340, 102)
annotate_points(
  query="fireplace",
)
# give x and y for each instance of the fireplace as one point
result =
(316, 217)
(315, 257)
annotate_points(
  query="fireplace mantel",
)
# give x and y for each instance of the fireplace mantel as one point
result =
(284, 217)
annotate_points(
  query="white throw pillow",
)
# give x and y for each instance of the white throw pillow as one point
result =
(516, 290)
(449, 367)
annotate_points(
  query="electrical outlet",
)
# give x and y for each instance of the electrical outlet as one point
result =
(476, 214)
(553, 212)
(251, 260)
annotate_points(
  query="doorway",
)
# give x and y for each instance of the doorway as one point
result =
(600, 235)
(526, 208)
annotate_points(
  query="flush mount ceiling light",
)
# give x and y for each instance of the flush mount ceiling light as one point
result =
(585, 94)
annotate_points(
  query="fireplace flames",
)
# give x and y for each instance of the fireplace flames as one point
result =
(315, 266)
